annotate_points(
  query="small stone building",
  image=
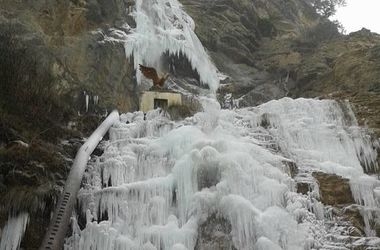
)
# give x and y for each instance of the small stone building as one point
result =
(150, 100)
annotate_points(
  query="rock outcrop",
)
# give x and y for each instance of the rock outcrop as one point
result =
(54, 59)
(238, 34)
(66, 38)
(271, 49)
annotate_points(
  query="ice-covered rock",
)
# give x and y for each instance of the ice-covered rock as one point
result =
(162, 26)
(158, 182)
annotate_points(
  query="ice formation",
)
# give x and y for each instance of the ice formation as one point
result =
(13, 231)
(159, 180)
(322, 134)
(87, 101)
(162, 26)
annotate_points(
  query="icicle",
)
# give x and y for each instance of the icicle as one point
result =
(314, 132)
(162, 26)
(13, 232)
(87, 102)
(265, 244)
(96, 100)
(158, 181)
(362, 189)
(318, 209)
(243, 217)
(367, 216)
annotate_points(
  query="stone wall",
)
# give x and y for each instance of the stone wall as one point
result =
(148, 98)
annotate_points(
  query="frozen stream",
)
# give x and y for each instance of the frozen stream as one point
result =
(159, 181)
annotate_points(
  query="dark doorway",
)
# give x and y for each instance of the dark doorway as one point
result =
(160, 103)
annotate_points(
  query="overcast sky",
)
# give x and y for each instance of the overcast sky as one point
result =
(358, 14)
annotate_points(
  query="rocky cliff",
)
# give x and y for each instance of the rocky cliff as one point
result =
(271, 49)
(55, 56)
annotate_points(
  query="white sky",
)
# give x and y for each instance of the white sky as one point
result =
(358, 14)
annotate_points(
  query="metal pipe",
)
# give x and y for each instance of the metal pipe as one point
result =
(56, 233)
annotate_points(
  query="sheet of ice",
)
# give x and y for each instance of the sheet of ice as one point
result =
(163, 26)
(13, 232)
(319, 134)
(159, 180)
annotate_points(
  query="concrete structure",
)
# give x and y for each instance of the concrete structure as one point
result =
(150, 100)
(59, 224)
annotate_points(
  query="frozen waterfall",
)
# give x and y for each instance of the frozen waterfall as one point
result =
(159, 182)
(13, 231)
(163, 26)
(222, 179)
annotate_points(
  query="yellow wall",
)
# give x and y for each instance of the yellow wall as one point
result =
(147, 99)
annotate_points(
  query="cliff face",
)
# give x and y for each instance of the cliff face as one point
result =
(268, 49)
(351, 72)
(271, 49)
(237, 35)
(65, 39)
(55, 54)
